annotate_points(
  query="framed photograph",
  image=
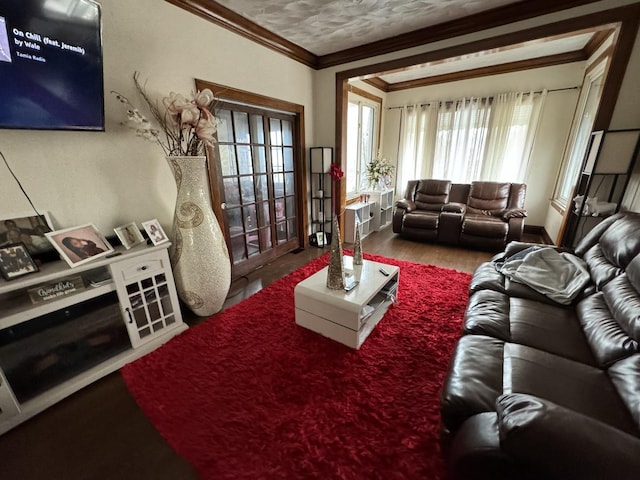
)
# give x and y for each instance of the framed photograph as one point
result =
(155, 232)
(29, 230)
(78, 245)
(15, 261)
(321, 239)
(129, 235)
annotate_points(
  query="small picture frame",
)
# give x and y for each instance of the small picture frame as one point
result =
(27, 229)
(155, 231)
(129, 235)
(81, 244)
(15, 261)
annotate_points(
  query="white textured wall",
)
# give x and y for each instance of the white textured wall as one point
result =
(110, 178)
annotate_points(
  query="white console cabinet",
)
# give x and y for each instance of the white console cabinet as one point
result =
(62, 328)
(383, 211)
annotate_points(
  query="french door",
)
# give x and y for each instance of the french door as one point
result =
(258, 183)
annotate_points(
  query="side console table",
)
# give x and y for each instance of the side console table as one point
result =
(347, 317)
(62, 329)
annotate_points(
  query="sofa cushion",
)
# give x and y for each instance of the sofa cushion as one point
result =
(492, 197)
(624, 303)
(481, 225)
(421, 219)
(474, 381)
(432, 194)
(625, 375)
(551, 328)
(621, 241)
(608, 341)
(600, 269)
(576, 386)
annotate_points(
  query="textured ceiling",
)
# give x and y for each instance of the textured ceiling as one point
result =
(327, 26)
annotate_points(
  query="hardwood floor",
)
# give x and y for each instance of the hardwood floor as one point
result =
(100, 433)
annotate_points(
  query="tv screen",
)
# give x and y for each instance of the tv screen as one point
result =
(51, 65)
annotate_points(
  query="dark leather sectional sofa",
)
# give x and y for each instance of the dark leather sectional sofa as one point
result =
(538, 390)
(486, 215)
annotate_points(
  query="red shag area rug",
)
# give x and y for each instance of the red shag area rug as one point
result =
(248, 394)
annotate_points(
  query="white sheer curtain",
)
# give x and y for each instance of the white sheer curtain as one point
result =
(417, 129)
(461, 139)
(512, 127)
(469, 139)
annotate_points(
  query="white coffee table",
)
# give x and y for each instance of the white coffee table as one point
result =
(347, 317)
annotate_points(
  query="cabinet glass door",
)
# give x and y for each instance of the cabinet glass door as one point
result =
(150, 309)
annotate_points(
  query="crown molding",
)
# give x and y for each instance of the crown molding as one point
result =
(522, 10)
(222, 16)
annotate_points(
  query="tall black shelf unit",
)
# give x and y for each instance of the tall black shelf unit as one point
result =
(321, 159)
(605, 173)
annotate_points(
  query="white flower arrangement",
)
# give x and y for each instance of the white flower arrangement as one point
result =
(186, 125)
(379, 170)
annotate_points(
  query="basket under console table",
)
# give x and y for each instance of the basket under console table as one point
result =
(63, 328)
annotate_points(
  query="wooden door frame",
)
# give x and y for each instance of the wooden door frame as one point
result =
(226, 93)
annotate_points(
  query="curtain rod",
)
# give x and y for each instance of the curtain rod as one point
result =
(424, 104)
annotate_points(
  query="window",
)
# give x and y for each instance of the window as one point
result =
(469, 139)
(579, 139)
(362, 133)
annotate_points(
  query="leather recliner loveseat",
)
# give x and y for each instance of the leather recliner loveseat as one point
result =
(486, 215)
(541, 390)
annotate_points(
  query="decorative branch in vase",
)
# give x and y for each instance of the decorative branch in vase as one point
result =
(199, 255)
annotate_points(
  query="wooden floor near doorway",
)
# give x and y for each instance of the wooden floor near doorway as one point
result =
(100, 433)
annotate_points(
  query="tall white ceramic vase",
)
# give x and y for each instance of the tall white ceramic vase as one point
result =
(199, 255)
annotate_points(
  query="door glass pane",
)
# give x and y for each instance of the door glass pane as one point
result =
(245, 163)
(278, 184)
(287, 133)
(291, 207)
(275, 132)
(277, 162)
(292, 227)
(266, 215)
(250, 222)
(235, 220)
(225, 129)
(260, 159)
(241, 123)
(280, 210)
(248, 195)
(265, 235)
(290, 185)
(231, 191)
(227, 159)
(258, 128)
(288, 159)
(351, 175)
(262, 189)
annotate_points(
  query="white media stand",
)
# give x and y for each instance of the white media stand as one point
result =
(106, 314)
(347, 317)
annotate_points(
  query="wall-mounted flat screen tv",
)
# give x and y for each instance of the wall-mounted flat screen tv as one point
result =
(51, 65)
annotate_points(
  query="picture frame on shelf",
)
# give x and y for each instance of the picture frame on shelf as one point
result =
(321, 239)
(30, 230)
(155, 232)
(81, 244)
(129, 235)
(15, 261)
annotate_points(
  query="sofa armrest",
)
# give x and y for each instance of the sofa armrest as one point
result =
(405, 204)
(454, 207)
(562, 443)
(513, 213)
